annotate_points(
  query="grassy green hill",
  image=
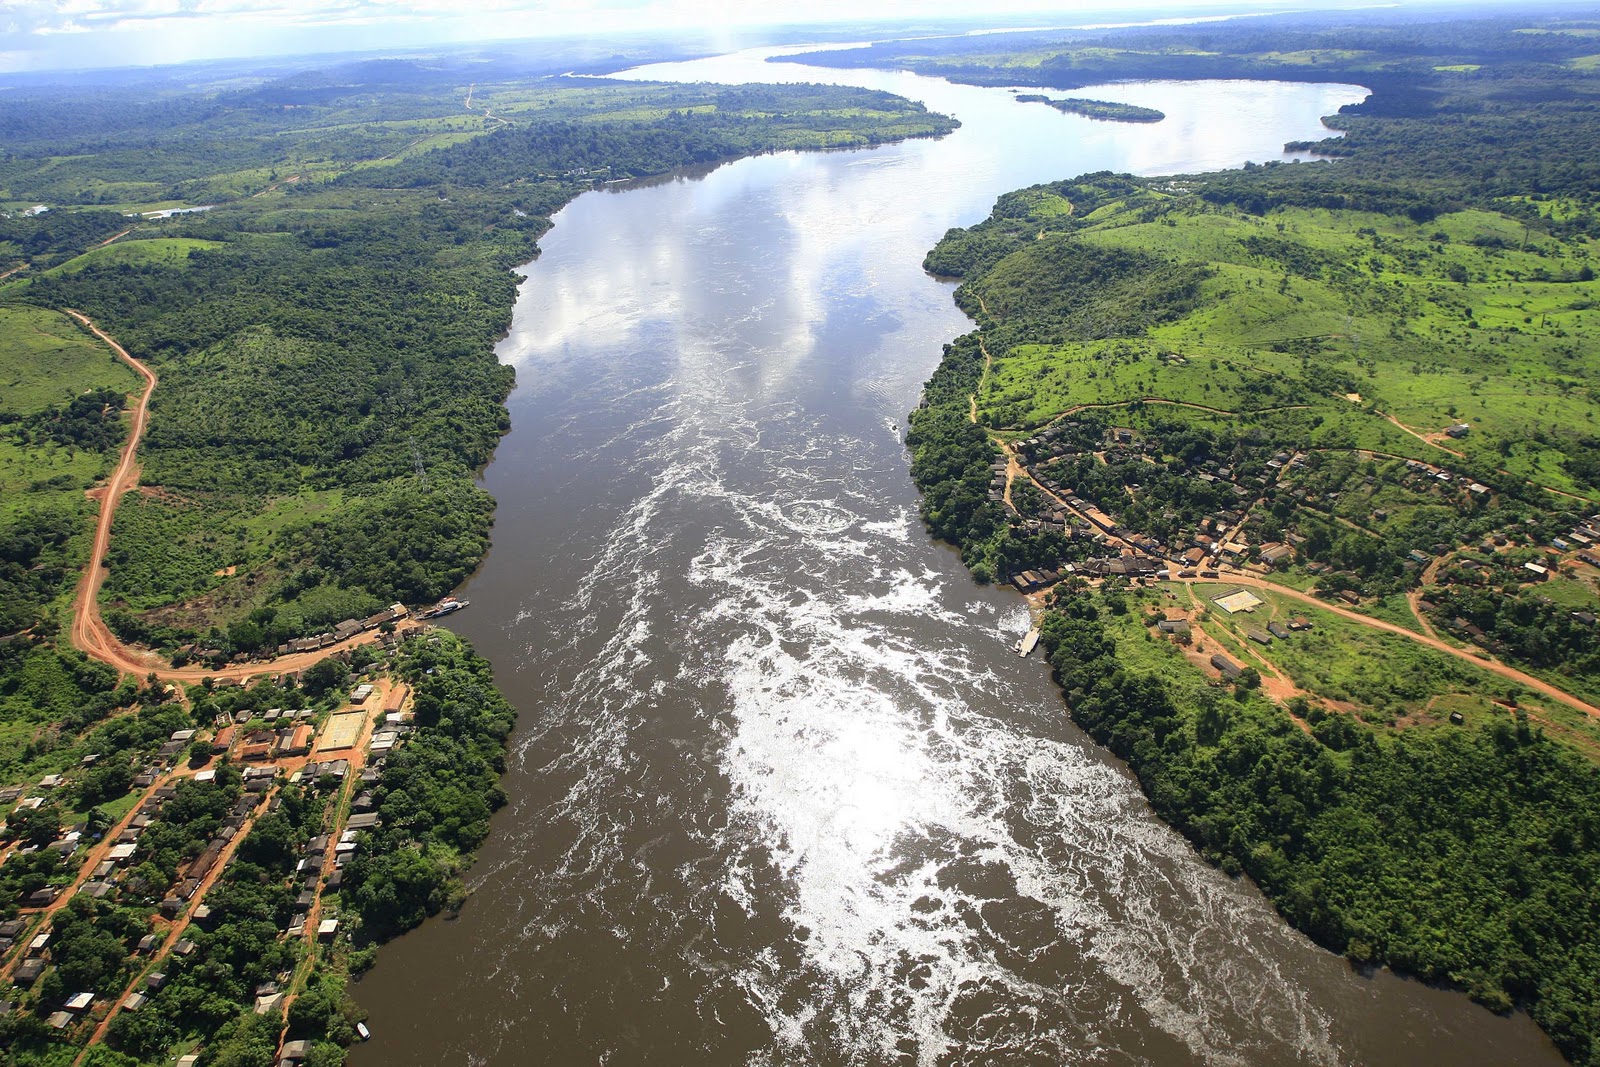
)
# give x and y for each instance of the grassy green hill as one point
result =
(1366, 392)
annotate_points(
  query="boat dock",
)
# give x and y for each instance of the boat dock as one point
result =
(1028, 643)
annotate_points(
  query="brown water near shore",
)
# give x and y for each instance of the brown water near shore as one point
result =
(780, 792)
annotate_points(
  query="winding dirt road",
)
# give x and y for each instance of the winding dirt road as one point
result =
(1491, 665)
(90, 634)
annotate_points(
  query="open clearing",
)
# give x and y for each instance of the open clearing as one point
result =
(343, 730)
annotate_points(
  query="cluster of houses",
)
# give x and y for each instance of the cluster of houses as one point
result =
(1420, 474)
(345, 630)
(266, 743)
(106, 878)
(1584, 539)
(1178, 629)
(323, 859)
(1219, 539)
(106, 875)
(1216, 540)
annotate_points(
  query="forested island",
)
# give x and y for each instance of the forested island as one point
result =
(198, 853)
(1104, 110)
(1298, 467)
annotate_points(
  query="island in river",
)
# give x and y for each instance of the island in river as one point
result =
(1104, 110)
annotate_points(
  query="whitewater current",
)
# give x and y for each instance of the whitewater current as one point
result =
(781, 791)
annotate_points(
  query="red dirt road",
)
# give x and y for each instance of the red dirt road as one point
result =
(89, 632)
(1493, 666)
(90, 635)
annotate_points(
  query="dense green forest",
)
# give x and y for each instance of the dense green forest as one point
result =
(324, 329)
(1278, 352)
(1461, 856)
(318, 264)
(326, 344)
(1105, 110)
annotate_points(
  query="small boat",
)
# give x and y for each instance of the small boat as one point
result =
(362, 1032)
(444, 607)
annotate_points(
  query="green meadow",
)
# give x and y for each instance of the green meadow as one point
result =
(46, 359)
(1355, 318)
(155, 251)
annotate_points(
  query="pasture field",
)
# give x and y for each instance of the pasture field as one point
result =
(156, 251)
(46, 359)
(1385, 331)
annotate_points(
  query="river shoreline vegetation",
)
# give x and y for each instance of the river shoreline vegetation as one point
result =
(318, 263)
(1104, 110)
(1190, 402)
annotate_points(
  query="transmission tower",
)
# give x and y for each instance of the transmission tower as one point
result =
(416, 461)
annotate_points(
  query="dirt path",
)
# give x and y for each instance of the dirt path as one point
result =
(102, 244)
(357, 758)
(1424, 438)
(92, 859)
(1563, 492)
(487, 117)
(988, 363)
(1414, 598)
(1489, 664)
(90, 635)
(176, 931)
(1075, 409)
(335, 829)
(1430, 574)
(1015, 470)
(89, 632)
(19, 268)
(275, 186)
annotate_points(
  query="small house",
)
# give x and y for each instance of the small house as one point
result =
(1228, 668)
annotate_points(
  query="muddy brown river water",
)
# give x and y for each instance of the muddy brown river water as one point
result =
(781, 793)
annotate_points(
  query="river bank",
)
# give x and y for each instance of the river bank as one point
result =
(780, 791)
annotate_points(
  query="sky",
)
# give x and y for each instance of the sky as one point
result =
(83, 34)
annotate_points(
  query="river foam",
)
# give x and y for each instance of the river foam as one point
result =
(781, 791)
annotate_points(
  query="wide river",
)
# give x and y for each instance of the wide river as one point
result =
(781, 793)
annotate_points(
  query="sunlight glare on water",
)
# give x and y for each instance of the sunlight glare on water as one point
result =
(781, 792)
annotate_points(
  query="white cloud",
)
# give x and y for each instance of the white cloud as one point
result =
(81, 33)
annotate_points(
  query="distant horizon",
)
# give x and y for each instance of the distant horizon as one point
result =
(43, 37)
